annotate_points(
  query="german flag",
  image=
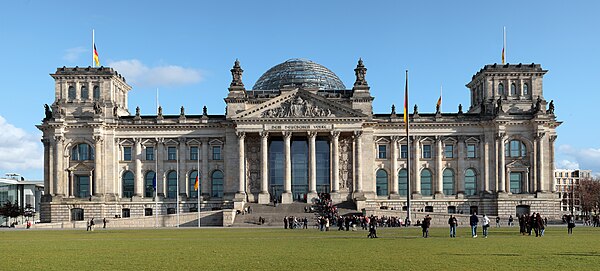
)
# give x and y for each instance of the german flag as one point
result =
(96, 58)
(196, 184)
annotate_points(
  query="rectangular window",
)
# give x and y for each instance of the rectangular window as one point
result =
(193, 153)
(471, 151)
(126, 153)
(449, 151)
(172, 153)
(426, 151)
(216, 152)
(404, 151)
(382, 152)
(150, 153)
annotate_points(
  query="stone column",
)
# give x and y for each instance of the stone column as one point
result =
(439, 184)
(541, 164)
(205, 173)
(335, 164)
(460, 170)
(263, 196)
(71, 184)
(48, 180)
(416, 178)
(98, 167)
(182, 170)
(394, 173)
(312, 170)
(160, 175)
(551, 163)
(241, 193)
(286, 197)
(139, 180)
(59, 180)
(500, 164)
(359, 158)
(486, 166)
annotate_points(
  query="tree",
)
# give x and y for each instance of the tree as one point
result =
(11, 210)
(589, 194)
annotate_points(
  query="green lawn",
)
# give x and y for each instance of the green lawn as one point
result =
(279, 249)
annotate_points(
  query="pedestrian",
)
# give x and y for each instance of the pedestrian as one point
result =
(92, 224)
(425, 226)
(473, 221)
(372, 228)
(104, 223)
(510, 221)
(452, 222)
(570, 224)
(285, 222)
(540, 225)
(485, 225)
(498, 222)
(88, 226)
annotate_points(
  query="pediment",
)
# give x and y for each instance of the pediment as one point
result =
(517, 164)
(193, 142)
(298, 104)
(80, 167)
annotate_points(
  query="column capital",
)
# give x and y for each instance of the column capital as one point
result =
(240, 135)
(335, 134)
(553, 138)
(263, 134)
(311, 134)
(501, 136)
(59, 138)
(395, 139)
(358, 134)
(539, 135)
(287, 134)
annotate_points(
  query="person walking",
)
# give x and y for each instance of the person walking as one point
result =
(425, 226)
(497, 221)
(452, 222)
(485, 225)
(510, 221)
(570, 224)
(473, 221)
(540, 225)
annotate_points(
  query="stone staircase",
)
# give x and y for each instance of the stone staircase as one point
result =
(274, 215)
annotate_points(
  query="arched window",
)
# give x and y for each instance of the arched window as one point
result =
(515, 148)
(217, 184)
(470, 182)
(172, 185)
(71, 93)
(382, 183)
(448, 182)
(525, 89)
(149, 184)
(426, 182)
(96, 93)
(515, 182)
(513, 90)
(128, 184)
(501, 89)
(82, 152)
(193, 193)
(402, 182)
(85, 94)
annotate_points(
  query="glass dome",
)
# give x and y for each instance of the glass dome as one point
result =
(301, 73)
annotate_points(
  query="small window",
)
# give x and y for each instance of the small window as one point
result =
(404, 151)
(126, 153)
(82, 152)
(525, 89)
(381, 181)
(382, 152)
(515, 148)
(194, 153)
(71, 93)
(513, 90)
(128, 184)
(452, 209)
(216, 151)
(148, 212)
(426, 182)
(172, 185)
(426, 151)
(501, 89)
(126, 212)
(449, 151)
(172, 153)
(217, 184)
(470, 182)
(96, 93)
(171, 211)
(429, 209)
(515, 182)
(85, 94)
(471, 151)
(150, 153)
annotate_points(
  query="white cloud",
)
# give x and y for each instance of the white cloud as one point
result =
(170, 75)
(73, 54)
(18, 149)
(566, 164)
(586, 158)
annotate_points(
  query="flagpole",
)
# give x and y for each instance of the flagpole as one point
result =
(407, 120)
(198, 181)
(504, 44)
(93, 43)
(177, 172)
(441, 87)
(156, 185)
(157, 104)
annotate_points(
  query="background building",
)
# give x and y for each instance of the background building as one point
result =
(28, 193)
(567, 186)
(298, 132)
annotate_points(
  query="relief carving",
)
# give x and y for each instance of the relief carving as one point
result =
(297, 107)
(253, 164)
(345, 150)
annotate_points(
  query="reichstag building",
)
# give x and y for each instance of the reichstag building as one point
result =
(298, 132)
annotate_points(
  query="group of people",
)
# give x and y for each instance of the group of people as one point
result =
(532, 223)
(292, 222)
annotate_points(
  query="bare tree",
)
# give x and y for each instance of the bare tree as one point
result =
(589, 194)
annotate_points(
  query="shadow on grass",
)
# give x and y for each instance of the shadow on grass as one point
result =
(589, 254)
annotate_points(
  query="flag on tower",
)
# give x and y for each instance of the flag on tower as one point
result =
(406, 102)
(196, 184)
(96, 59)
(503, 45)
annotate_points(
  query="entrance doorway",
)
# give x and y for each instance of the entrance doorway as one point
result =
(76, 214)
(523, 210)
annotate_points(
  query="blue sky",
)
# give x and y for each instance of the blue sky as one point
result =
(186, 48)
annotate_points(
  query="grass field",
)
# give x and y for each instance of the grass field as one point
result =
(279, 249)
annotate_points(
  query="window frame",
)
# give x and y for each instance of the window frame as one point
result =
(381, 183)
(451, 151)
(473, 153)
(149, 155)
(217, 156)
(171, 153)
(381, 151)
(426, 154)
(127, 153)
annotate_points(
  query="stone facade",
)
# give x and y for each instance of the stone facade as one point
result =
(294, 142)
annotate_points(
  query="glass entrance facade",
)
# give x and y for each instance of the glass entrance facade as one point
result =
(299, 168)
(276, 168)
(323, 169)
